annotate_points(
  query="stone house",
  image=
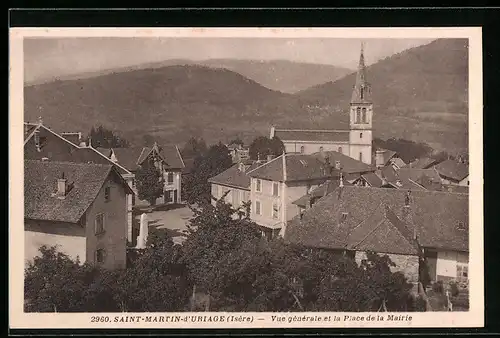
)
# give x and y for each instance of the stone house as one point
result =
(41, 143)
(423, 232)
(453, 172)
(280, 181)
(79, 207)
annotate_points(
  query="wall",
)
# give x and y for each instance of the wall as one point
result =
(70, 238)
(313, 147)
(235, 197)
(446, 265)
(130, 205)
(176, 185)
(406, 264)
(114, 239)
(266, 198)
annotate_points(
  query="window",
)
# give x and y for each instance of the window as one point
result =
(361, 156)
(170, 178)
(302, 149)
(169, 196)
(258, 185)
(99, 256)
(362, 92)
(363, 116)
(461, 226)
(358, 115)
(275, 189)
(99, 224)
(320, 149)
(276, 211)
(360, 135)
(462, 272)
(340, 150)
(257, 207)
(107, 194)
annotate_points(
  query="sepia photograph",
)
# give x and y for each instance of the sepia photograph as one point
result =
(245, 177)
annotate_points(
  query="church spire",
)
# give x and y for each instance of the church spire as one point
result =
(362, 90)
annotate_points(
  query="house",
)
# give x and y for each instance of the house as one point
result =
(276, 184)
(370, 180)
(453, 172)
(80, 207)
(423, 232)
(234, 183)
(385, 157)
(422, 163)
(238, 152)
(391, 178)
(350, 167)
(354, 141)
(41, 143)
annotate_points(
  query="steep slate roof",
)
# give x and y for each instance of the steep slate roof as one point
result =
(435, 217)
(387, 154)
(297, 167)
(233, 177)
(393, 178)
(319, 192)
(40, 182)
(422, 163)
(348, 164)
(373, 179)
(128, 157)
(170, 155)
(399, 162)
(312, 135)
(453, 169)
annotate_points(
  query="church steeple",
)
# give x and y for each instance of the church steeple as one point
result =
(362, 89)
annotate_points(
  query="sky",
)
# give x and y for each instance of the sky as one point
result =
(46, 58)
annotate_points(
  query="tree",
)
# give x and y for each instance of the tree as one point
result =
(194, 148)
(263, 146)
(105, 138)
(212, 163)
(149, 181)
(237, 140)
(408, 150)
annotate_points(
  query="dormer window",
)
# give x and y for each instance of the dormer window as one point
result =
(343, 217)
(461, 226)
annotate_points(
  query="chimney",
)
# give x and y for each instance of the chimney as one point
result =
(379, 158)
(341, 185)
(272, 132)
(407, 215)
(40, 120)
(62, 185)
(241, 167)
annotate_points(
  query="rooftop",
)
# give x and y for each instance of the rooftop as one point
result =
(453, 169)
(312, 135)
(234, 177)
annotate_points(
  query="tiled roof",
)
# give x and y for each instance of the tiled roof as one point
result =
(453, 169)
(392, 177)
(348, 164)
(170, 154)
(40, 182)
(105, 151)
(387, 154)
(298, 167)
(422, 163)
(435, 217)
(373, 179)
(128, 157)
(312, 135)
(319, 192)
(399, 162)
(234, 177)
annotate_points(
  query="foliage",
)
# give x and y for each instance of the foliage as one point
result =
(213, 162)
(148, 140)
(105, 138)
(194, 148)
(237, 140)
(149, 181)
(262, 146)
(407, 150)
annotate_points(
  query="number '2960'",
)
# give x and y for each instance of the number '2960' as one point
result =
(99, 319)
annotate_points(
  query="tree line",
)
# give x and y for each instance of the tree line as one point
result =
(223, 265)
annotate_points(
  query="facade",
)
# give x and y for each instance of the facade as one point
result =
(80, 208)
(276, 184)
(356, 141)
(419, 230)
(41, 143)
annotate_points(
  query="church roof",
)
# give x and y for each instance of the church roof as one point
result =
(362, 89)
(312, 135)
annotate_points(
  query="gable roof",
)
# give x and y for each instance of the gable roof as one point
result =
(170, 155)
(393, 178)
(293, 167)
(422, 163)
(348, 164)
(40, 182)
(128, 157)
(386, 154)
(435, 216)
(312, 135)
(32, 127)
(321, 191)
(373, 179)
(398, 162)
(234, 177)
(453, 169)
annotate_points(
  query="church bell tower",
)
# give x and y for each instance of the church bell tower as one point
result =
(361, 116)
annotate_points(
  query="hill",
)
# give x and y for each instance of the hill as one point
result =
(419, 94)
(280, 75)
(170, 103)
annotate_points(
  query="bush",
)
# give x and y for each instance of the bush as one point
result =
(454, 289)
(438, 287)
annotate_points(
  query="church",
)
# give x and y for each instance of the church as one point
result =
(355, 142)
